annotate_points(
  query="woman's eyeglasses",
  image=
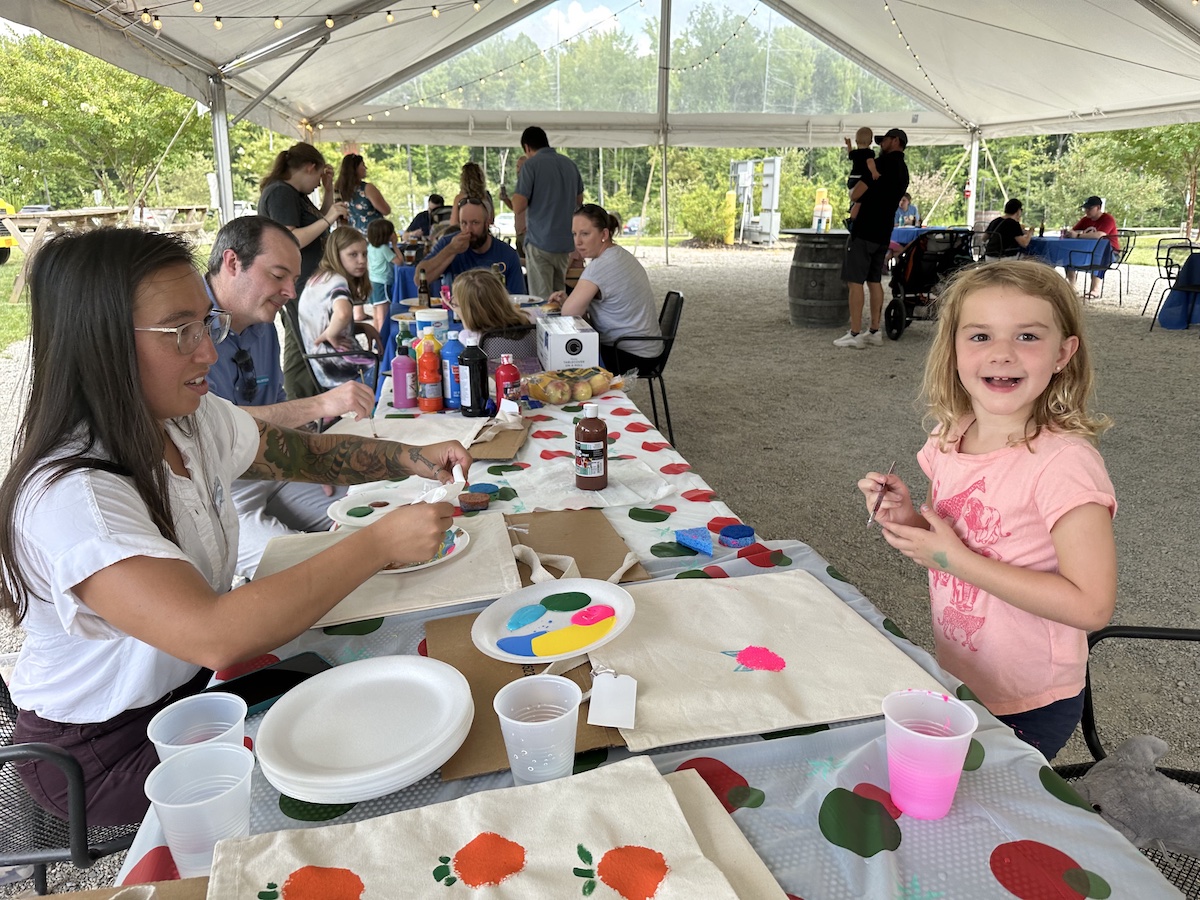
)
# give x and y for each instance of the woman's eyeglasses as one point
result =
(189, 335)
(247, 380)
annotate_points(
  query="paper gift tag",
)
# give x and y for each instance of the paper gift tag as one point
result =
(614, 700)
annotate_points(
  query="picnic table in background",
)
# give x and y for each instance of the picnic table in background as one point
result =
(1076, 253)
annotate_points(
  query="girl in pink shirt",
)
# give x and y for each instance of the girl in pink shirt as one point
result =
(1016, 530)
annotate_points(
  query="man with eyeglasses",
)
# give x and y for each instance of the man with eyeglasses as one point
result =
(251, 273)
(549, 190)
(473, 248)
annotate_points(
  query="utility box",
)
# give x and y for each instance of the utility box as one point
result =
(757, 222)
(567, 342)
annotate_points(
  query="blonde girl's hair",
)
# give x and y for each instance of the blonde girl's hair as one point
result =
(1062, 406)
(331, 262)
(286, 161)
(483, 302)
(472, 182)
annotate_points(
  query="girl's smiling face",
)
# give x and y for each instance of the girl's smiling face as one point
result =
(354, 259)
(1009, 346)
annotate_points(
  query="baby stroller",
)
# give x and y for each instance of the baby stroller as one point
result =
(918, 271)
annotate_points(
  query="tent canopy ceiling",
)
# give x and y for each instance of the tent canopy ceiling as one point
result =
(1010, 68)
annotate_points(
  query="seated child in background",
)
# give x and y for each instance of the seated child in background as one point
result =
(381, 254)
(483, 304)
(862, 161)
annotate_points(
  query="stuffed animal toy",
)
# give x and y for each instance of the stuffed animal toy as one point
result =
(1146, 806)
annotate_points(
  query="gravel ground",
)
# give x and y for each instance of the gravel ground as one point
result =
(815, 418)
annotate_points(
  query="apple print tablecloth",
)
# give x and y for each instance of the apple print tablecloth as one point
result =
(813, 802)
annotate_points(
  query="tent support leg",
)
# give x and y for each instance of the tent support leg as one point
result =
(221, 157)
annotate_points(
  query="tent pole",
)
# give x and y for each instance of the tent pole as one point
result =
(973, 178)
(664, 88)
(221, 158)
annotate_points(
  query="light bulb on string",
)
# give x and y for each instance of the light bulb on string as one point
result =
(353, 121)
(435, 12)
(198, 6)
(338, 123)
(321, 126)
(218, 24)
(329, 21)
(390, 18)
(157, 24)
(146, 17)
(370, 118)
(387, 112)
(476, 5)
(278, 22)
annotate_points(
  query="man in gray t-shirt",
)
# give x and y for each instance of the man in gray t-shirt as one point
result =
(549, 190)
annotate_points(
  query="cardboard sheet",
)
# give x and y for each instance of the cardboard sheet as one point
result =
(584, 534)
(483, 751)
(503, 446)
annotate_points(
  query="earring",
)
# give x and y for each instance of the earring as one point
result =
(1058, 368)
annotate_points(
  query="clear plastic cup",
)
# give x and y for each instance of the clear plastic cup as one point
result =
(928, 735)
(216, 717)
(201, 796)
(538, 717)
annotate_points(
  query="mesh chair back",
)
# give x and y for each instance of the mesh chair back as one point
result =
(1167, 265)
(519, 340)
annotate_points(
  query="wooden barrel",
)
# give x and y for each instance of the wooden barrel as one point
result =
(816, 293)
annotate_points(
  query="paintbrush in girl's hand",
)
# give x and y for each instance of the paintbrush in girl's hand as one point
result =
(879, 499)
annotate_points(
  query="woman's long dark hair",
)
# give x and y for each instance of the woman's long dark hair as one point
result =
(347, 179)
(85, 408)
(294, 157)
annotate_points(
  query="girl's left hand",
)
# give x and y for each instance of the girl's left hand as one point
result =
(934, 548)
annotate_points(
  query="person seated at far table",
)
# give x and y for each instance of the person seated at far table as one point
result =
(907, 212)
(1096, 223)
(1006, 235)
(118, 538)
(422, 223)
(614, 292)
(473, 247)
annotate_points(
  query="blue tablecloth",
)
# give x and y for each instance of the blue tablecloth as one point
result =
(1174, 312)
(1057, 251)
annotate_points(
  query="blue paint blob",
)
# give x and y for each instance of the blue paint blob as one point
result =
(519, 645)
(484, 488)
(526, 615)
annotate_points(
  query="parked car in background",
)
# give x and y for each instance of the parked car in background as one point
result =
(633, 226)
(32, 209)
(506, 224)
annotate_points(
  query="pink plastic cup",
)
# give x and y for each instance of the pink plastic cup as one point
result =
(928, 735)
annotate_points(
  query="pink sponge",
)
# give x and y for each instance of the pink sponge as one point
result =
(698, 539)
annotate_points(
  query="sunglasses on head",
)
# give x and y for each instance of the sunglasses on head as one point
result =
(247, 380)
(475, 201)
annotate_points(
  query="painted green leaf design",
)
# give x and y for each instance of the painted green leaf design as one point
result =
(588, 760)
(582, 873)
(975, 755)
(1060, 789)
(506, 493)
(745, 797)
(271, 893)
(502, 469)
(586, 855)
(965, 693)
(861, 825)
(1087, 883)
(639, 514)
(777, 558)
(834, 573)
(449, 881)
(693, 573)
(444, 859)
(670, 548)
(366, 626)
(793, 732)
(400, 416)
(441, 872)
(574, 407)
(303, 811)
(588, 888)
(892, 628)
(471, 513)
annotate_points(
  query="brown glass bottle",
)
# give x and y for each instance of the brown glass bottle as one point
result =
(591, 450)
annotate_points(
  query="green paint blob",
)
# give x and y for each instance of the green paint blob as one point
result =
(778, 559)
(567, 601)
(793, 732)
(271, 893)
(1087, 883)
(975, 756)
(500, 470)
(400, 416)
(942, 560)
(670, 548)
(575, 407)
(965, 693)
(506, 493)
(742, 797)
(693, 573)
(366, 626)
(589, 759)
(1061, 790)
(834, 573)
(859, 824)
(303, 811)
(648, 515)
(892, 628)
(359, 511)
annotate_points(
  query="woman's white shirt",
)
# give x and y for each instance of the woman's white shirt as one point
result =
(625, 305)
(74, 666)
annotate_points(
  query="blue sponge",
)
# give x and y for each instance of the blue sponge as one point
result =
(736, 536)
(698, 539)
(484, 488)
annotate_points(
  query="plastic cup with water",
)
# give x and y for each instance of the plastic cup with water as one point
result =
(928, 735)
(212, 717)
(201, 796)
(538, 717)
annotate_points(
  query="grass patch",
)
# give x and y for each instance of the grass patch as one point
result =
(14, 317)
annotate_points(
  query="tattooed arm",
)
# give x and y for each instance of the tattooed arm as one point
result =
(288, 455)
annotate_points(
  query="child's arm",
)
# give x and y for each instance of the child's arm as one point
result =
(871, 167)
(339, 325)
(1082, 593)
(848, 145)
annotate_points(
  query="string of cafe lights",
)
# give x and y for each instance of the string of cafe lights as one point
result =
(715, 53)
(150, 14)
(920, 68)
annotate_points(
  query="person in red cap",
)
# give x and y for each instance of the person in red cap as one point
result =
(1096, 223)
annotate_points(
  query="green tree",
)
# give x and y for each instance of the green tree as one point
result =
(64, 111)
(1170, 152)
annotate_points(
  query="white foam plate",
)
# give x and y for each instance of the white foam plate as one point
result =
(526, 300)
(492, 631)
(457, 546)
(381, 500)
(365, 728)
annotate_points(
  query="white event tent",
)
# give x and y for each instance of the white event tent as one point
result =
(973, 68)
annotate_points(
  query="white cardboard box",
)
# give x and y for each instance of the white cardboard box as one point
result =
(567, 342)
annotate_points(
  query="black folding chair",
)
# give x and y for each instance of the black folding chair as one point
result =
(1177, 255)
(1126, 238)
(1096, 259)
(1167, 266)
(1182, 871)
(31, 836)
(374, 346)
(652, 369)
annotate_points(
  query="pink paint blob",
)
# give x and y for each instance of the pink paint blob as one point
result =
(760, 659)
(590, 615)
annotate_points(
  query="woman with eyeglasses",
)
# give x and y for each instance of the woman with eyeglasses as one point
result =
(614, 292)
(118, 537)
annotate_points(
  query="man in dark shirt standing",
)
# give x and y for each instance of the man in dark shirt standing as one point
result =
(866, 251)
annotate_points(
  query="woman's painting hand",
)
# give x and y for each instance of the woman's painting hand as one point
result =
(414, 533)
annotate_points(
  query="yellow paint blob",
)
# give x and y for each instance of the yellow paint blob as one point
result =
(572, 638)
